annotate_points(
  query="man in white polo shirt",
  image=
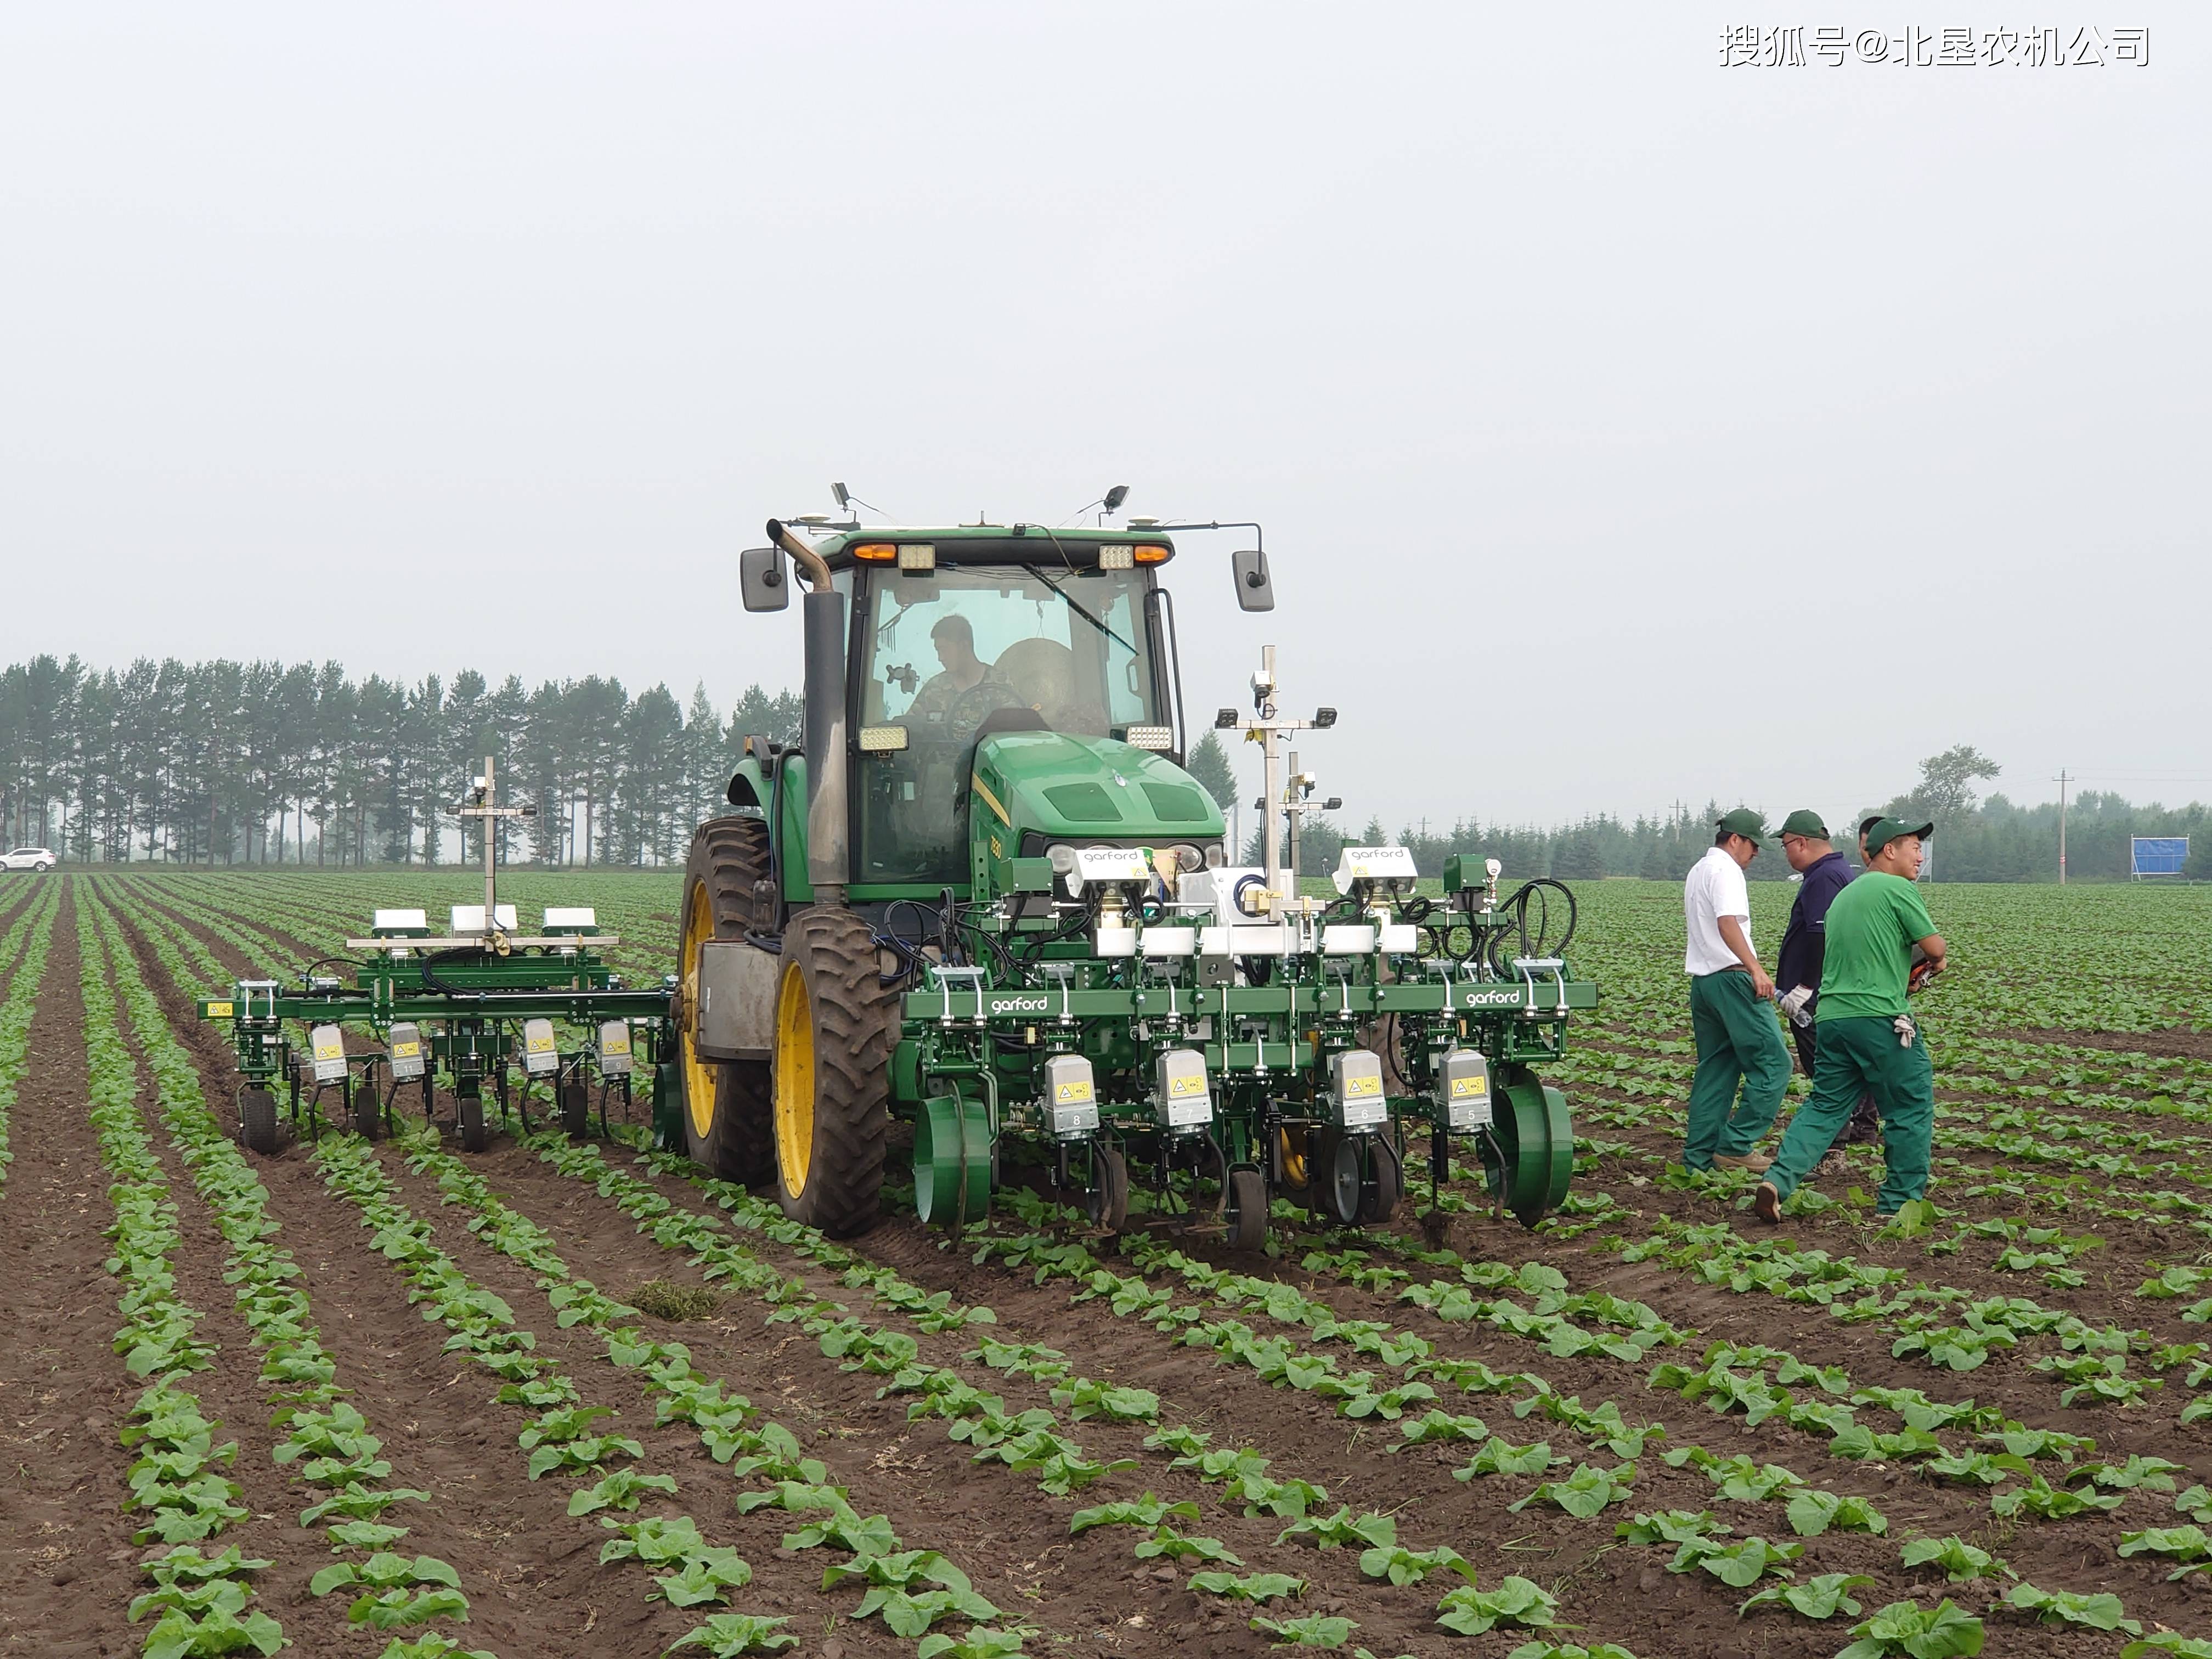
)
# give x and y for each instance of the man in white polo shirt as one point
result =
(1740, 1043)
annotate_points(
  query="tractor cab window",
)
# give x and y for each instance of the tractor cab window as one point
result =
(1059, 650)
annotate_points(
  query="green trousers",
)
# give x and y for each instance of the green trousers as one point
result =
(1862, 1056)
(1740, 1046)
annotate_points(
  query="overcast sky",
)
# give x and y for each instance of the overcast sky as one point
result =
(1626, 427)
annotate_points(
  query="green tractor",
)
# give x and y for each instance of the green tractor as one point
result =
(982, 897)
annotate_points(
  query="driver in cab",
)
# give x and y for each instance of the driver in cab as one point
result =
(955, 700)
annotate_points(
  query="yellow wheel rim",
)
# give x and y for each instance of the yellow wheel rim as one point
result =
(699, 1075)
(1294, 1154)
(794, 1081)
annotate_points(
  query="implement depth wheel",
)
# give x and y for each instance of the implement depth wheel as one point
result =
(833, 1022)
(1534, 1159)
(1106, 1200)
(726, 1105)
(256, 1120)
(1384, 1181)
(1344, 1180)
(1247, 1209)
(576, 1110)
(472, 1122)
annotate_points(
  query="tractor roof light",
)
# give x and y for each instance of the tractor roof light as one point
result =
(1116, 555)
(876, 552)
(882, 739)
(1154, 552)
(917, 558)
(1151, 737)
(1224, 719)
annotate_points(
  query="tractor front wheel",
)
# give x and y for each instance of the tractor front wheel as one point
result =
(725, 1113)
(834, 1024)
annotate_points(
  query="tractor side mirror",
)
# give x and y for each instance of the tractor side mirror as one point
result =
(762, 579)
(1254, 590)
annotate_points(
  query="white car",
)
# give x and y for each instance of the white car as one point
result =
(28, 857)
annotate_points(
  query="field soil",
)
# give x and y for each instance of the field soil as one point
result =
(531, 1569)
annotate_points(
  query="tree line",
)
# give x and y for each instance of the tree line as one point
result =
(231, 762)
(228, 762)
(1976, 840)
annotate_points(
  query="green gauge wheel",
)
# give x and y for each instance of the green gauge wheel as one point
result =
(952, 1162)
(1533, 1159)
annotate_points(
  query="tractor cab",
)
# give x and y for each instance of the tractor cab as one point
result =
(955, 642)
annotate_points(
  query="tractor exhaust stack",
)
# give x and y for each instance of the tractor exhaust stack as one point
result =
(829, 863)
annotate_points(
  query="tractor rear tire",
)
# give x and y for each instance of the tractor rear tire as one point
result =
(472, 1122)
(576, 1110)
(726, 1104)
(256, 1120)
(834, 1021)
(1248, 1209)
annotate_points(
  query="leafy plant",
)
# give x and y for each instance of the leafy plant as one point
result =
(1820, 1597)
(2102, 1611)
(1587, 1490)
(1470, 1610)
(728, 1634)
(1259, 1587)
(1959, 1560)
(1315, 1631)
(1903, 1630)
(1812, 1513)
(1403, 1567)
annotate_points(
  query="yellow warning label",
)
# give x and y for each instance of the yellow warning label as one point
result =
(218, 1011)
(1465, 1087)
(329, 1050)
(1182, 1088)
(541, 1045)
(618, 1045)
(1071, 1094)
(405, 1051)
(1357, 1086)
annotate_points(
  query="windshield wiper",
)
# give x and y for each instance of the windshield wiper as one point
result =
(1071, 604)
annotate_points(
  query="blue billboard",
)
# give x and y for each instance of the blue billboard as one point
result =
(2158, 855)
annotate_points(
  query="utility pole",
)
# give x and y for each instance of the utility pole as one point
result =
(2061, 826)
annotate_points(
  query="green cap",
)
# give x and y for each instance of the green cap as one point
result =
(1805, 822)
(1888, 829)
(1745, 823)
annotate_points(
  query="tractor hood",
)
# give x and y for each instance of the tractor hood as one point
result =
(1085, 789)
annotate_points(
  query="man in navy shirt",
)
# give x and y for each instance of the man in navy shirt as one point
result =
(1823, 873)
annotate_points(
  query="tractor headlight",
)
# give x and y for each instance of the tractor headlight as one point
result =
(1151, 737)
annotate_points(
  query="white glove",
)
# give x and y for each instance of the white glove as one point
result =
(1904, 1029)
(1794, 1005)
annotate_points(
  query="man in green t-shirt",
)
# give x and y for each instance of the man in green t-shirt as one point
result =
(1877, 929)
